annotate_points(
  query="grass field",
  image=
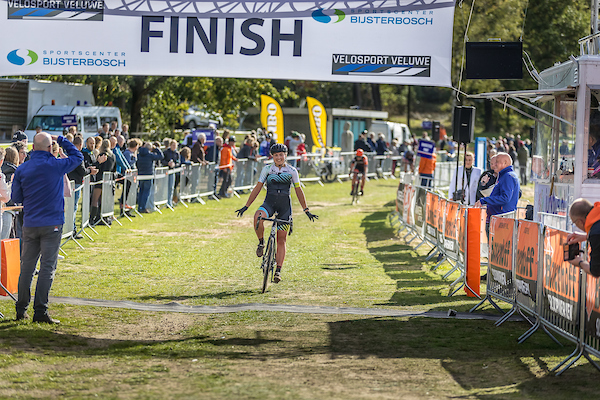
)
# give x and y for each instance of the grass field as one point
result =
(204, 255)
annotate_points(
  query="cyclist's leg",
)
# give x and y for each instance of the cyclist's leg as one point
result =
(260, 231)
(354, 179)
(281, 241)
(363, 180)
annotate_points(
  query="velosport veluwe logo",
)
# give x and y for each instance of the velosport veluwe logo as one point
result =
(22, 57)
(320, 16)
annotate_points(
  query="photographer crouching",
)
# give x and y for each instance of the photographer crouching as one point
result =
(586, 217)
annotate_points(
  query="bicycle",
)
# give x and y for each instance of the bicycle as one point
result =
(268, 261)
(356, 186)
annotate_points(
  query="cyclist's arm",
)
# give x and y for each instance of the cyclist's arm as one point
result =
(301, 197)
(254, 193)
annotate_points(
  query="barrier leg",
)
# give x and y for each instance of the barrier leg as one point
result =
(530, 332)
(587, 356)
(573, 354)
(183, 202)
(117, 221)
(9, 293)
(419, 245)
(432, 253)
(487, 298)
(506, 316)
(452, 292)
(575, 359)
(86, 234)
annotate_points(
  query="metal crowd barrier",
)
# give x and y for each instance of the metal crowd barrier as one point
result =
(160, 188)
(526, 268)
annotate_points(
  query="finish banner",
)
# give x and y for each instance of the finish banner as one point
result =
(271, 117)
(402, 42)
(318, 121)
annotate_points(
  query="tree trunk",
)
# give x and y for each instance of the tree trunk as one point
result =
(376, 94)
(356, 96)
(138, 98)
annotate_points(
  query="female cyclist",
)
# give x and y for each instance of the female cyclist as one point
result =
(279, 178)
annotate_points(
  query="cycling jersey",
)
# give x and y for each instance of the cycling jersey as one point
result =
(278, 200)
(359, 163)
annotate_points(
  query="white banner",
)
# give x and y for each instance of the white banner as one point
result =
(398, 42)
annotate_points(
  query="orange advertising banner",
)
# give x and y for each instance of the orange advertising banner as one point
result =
(561, 279)
(450, 228)
(592, 306)
(501, 250)
(526, 266)
(473, 259)
(431, 218)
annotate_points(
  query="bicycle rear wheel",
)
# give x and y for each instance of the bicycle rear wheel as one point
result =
(268, 261)
(355, 192)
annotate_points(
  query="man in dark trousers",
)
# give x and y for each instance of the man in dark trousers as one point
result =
(39, 185)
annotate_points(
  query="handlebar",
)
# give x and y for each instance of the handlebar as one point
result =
(270, 219)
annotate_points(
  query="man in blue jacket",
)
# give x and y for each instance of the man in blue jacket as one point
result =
(506, 193)
(39, 185)
(147, 154)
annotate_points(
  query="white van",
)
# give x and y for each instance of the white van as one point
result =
(89, 119)
(391, 130)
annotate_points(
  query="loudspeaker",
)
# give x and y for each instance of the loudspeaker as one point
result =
(494, 60)
(463, 124)
(435, 131)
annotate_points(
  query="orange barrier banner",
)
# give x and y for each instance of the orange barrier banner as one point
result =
(10, 265)
(420, 208)
(500, 257)
(440, 213)
(526, 266)
(473, 256)
(592, 306)
(431, 219)
(462, 240)
(561, 279)
(409, 192)
(450, 229)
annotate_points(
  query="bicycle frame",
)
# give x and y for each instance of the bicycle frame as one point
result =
(270, 253)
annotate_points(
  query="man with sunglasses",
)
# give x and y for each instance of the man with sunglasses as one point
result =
(586, 217)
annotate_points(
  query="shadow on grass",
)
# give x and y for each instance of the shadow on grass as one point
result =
(481, 357)
(220, 295)
(414, 286)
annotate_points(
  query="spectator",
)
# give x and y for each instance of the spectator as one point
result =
(500, 145)
(226, 166)
(408, 158)
(506, 193)
(22, 150)
(247, 151)
(4, 190)
(488, 179)
(512, 152)
(427, 169)
(463, 185)
(77, 176)
(563, 150)
(381, 146)
(185, 156)
(265, 146)
(522, 157)
(121, 142)
(39, 185)
(172, 160)
(69, 137)
(105, 132)
(197, 154)
(113, 128)
(19, 136)
(130, 153)
(294, 142)
(361, 143)
(105, 162)
(585, 216)
(147, 154)
(89, 156)
(98, 140)
(371, 142)
(213, 152)
(9, 166)
(122, 165)
(125, 131)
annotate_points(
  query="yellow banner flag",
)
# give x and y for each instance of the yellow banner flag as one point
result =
(318, 121)
(271, 117)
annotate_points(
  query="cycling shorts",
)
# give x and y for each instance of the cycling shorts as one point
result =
(280, 206)
(359, 168)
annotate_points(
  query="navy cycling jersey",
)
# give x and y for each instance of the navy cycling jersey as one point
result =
(279, 180)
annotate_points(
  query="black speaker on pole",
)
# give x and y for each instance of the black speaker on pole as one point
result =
(464, 124)
(435, 131)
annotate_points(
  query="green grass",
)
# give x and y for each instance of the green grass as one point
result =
(204, 255)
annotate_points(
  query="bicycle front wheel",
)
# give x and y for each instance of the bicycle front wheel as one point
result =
(268, 261)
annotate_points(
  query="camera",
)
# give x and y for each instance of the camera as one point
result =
(458, 195)
(571, 251)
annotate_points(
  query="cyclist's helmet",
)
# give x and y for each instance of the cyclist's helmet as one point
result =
(360, 152)
(279, 148)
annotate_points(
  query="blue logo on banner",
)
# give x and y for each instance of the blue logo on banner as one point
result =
(22, 57)
(69, 120)
(320, 16)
